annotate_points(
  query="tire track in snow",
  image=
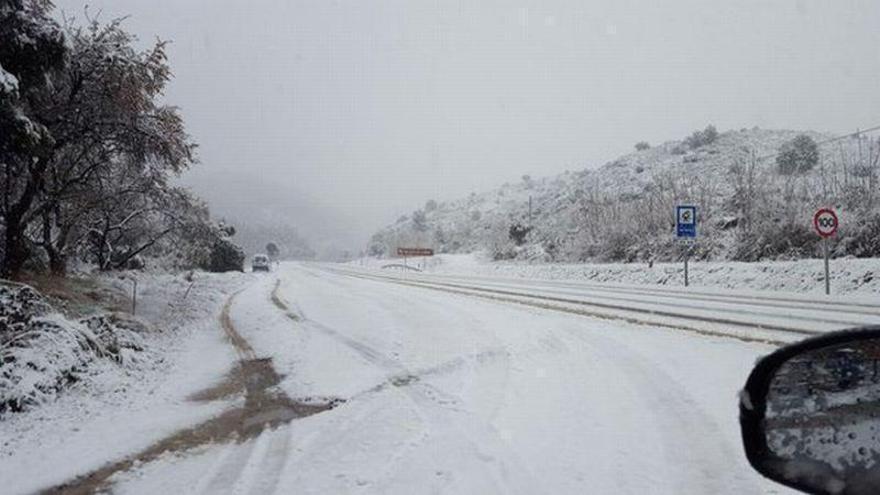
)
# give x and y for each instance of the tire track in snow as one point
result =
(766, 300)
(496, 349)
(698, 454)
(438, 409)
(690, 304)
(693, 442)
(538, 302)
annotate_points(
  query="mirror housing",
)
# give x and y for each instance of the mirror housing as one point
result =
(810, 414)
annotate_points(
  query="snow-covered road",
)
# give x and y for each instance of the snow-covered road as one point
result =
(450, 392)
(750, 315)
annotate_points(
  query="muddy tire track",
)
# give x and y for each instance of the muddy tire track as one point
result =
(242, 347)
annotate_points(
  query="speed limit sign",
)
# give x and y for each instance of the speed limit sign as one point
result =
(825, 222)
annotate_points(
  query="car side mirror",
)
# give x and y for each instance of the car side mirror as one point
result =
(810, 414)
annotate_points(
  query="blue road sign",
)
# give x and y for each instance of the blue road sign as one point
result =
(686, 221)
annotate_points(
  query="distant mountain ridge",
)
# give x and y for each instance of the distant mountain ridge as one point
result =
(623, 210)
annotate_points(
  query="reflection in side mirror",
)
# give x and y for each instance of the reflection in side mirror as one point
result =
(810, 414)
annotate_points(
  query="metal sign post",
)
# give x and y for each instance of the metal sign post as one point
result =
(827, 268)
(686, 230)
(686, 254)
(825, 222)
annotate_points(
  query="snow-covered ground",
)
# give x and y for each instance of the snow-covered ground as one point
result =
(470, 377)
(848, 276)
(445, 393)
(116, 410)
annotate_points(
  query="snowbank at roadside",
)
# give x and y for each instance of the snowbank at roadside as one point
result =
(113, 410)
(42, 351)
(848, 276)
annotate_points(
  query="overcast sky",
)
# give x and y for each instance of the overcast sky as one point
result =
(345, 114)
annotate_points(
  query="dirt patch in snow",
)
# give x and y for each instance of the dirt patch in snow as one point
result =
(77, 297)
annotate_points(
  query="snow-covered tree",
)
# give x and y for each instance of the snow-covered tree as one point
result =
(32, 52)
(93, 176)
(799, 155)
(121, 130)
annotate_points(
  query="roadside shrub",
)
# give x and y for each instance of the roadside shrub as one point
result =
(620, 246)
(121, 337)
(642, 146)
(225, 257)
(864, 242)
(19, 305)
(518, 233)
(504, 252)
(775, 241)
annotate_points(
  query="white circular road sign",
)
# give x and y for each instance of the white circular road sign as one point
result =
(825, 222)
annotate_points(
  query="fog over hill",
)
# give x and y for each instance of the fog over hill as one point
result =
(748, 208)
(267, 208)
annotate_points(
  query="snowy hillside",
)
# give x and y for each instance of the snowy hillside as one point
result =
(623, 210)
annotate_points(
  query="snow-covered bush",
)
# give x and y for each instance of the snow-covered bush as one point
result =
(19, 305)
(121, 337)
(225, 257)
(42, 352)
(864, 240)
(38, 362)
(771, 241)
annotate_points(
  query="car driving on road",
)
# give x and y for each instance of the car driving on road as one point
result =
(260, 263)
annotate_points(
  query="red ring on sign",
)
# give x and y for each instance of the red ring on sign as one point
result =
(818, 227)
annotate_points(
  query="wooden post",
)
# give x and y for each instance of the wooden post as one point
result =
(134, 296)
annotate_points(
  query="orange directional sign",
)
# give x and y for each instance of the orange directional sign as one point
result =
(415, 252)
